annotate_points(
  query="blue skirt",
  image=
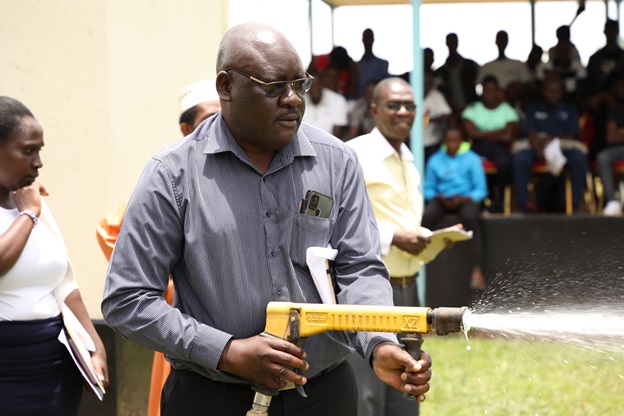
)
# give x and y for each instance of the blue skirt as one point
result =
(37, 374)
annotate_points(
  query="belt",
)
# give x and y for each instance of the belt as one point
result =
(329, 369)
(404, 281)
(291, 385)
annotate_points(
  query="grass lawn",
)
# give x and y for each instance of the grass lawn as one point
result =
(487, 376)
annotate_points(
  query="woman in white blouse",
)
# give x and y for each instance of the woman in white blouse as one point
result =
(37, 374)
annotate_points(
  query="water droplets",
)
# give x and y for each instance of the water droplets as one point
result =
(598, 328)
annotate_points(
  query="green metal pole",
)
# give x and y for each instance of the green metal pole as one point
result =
(311, 26)
(416, 135)
(532, 22)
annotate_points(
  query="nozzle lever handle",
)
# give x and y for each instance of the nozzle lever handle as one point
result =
(413, 343)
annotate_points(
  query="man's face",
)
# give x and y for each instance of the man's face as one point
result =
(452, 140)
(394, 124)
(368, 38)
(553, 91)
(258, 121)
(368, 93)
(611, 31)
(19, 156)
(491, 94)
(316, 91)
(502, 40)
(428, 78)
(205, 110)
(330, 79)
(452, 42)
(428, 57)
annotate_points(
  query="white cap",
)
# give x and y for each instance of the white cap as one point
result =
(199, 92)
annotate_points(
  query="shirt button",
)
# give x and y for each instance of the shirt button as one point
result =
(279, 292)
(273, 253)
(268, 214)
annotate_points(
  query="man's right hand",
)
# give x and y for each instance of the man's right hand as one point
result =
(410, 241)
(538, 142)
(264, 360)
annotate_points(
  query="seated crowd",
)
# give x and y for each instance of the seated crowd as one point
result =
(537, 125)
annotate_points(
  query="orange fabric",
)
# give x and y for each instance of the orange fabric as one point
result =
(160, 372)
(107, 231)
(160, 369)
(108, 228)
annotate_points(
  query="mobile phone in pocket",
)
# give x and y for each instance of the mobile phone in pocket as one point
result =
(316, 204)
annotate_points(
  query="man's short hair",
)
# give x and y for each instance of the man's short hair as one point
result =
(188, 116)
(490, 78)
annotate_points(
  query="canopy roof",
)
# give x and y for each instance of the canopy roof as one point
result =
(336, 3)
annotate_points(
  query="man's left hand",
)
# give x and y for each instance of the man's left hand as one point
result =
(397, 368)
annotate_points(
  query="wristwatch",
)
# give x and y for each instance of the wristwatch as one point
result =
(32, 215)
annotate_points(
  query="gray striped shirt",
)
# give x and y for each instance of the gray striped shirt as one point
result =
(232, 240)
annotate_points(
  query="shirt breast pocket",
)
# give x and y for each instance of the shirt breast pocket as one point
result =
(308, 231)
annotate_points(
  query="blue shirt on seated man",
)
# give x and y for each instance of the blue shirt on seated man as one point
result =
(545, 121)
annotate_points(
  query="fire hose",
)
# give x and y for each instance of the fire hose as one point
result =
(295, 322)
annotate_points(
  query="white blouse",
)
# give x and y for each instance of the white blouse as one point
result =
(30, 289)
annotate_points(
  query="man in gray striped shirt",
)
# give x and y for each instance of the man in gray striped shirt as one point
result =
(219, 211)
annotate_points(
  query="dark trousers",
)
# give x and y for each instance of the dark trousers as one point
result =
(604, 161)
(376, 398)
(501, 156)
(469, 214)
(330, 394)
(577, 167)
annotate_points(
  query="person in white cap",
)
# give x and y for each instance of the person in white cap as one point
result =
(198, 101)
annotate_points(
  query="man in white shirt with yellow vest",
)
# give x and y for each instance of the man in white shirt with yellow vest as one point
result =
(394, 188)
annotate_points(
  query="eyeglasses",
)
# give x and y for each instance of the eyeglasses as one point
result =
(396, 106)
(278, 88)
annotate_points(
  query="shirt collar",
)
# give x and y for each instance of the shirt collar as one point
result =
(220, 139)
(463, 148)
(383, 149)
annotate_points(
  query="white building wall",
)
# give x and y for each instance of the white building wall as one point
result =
(102, 77)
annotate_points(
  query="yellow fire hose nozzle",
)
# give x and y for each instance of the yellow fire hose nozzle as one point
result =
(314, 318)
(296, 321)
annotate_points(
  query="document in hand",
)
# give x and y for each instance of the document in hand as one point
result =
(77, 341)
(555, 159)
(440, 239)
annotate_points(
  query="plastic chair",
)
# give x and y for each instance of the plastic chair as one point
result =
(589, 201)
(540, 168)
(490, 169)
